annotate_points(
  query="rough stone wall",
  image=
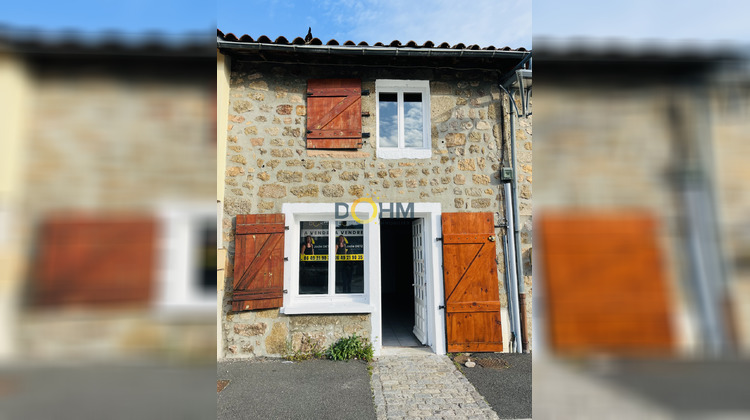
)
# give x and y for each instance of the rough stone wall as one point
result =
(268, 164)
(268, 333)
(112, 141)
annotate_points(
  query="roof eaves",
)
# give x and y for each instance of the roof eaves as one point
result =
(440, 51)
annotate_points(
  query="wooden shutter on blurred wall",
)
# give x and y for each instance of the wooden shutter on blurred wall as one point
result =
(93, 260)
(605, 285)
(334, 114)
(472, 290)
(258, 262)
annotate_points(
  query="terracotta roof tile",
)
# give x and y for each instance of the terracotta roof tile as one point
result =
(263, 39)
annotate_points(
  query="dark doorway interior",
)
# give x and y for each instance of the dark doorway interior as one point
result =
(397, 277)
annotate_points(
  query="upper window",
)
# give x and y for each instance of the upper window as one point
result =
(403, 119)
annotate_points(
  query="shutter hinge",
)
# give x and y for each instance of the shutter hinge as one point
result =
(286, 258)
(365, 92)
(365, 114)
(441, 307)
(286, 291)
(309, 131)
(310, 94)
(439, 238)
(286, 227)
(365, 135)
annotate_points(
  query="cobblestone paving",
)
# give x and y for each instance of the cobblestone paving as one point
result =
(425, 387)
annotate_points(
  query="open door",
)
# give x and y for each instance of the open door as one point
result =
(472, 301)
(420, 281)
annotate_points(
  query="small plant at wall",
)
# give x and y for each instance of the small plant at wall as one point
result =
(347, 348)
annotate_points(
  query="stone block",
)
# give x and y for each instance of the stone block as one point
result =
(480, 203)
(250, 330)
(285, 153)
(481, 179)
(356, 190)
(289, 176)
(258, 85)
(467, 165)
(276, 340)
(272, 191)
(455, 139)
(349, 176)
(318, 176)
(241, 106)
(305, 190)
(235, 170)
(239, 159)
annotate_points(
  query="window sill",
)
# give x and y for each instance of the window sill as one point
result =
(393, 153)
(327, 308)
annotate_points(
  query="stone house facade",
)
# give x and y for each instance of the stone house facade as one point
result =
(439, 136)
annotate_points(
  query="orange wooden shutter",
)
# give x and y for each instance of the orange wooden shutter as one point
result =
(605, 285)
(472, 294)
(258, 262)
(94, 260)
(334, 114)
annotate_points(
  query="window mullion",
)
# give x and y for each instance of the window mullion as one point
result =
(331, 258)
(401, 142)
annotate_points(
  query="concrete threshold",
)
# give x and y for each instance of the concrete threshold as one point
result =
(405, 351)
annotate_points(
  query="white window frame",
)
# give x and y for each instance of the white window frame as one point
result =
(400, 87)
(179, 232)
(331, 303)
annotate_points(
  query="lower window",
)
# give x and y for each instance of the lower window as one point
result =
(332, 258)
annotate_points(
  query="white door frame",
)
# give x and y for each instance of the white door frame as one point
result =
(431, 212)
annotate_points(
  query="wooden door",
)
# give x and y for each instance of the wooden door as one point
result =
(472, 292)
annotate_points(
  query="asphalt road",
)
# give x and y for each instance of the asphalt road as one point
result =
(311, 389)
(146, 391)
(508, 391)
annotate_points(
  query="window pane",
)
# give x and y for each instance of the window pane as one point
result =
(388, 119)
(413, 123)
(205, 261)
(313, 264)
(350, 258)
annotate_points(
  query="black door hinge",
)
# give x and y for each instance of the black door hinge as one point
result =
(365, 92)
(440, 238)
(441, 307)
(365, 135)
(286, 258)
